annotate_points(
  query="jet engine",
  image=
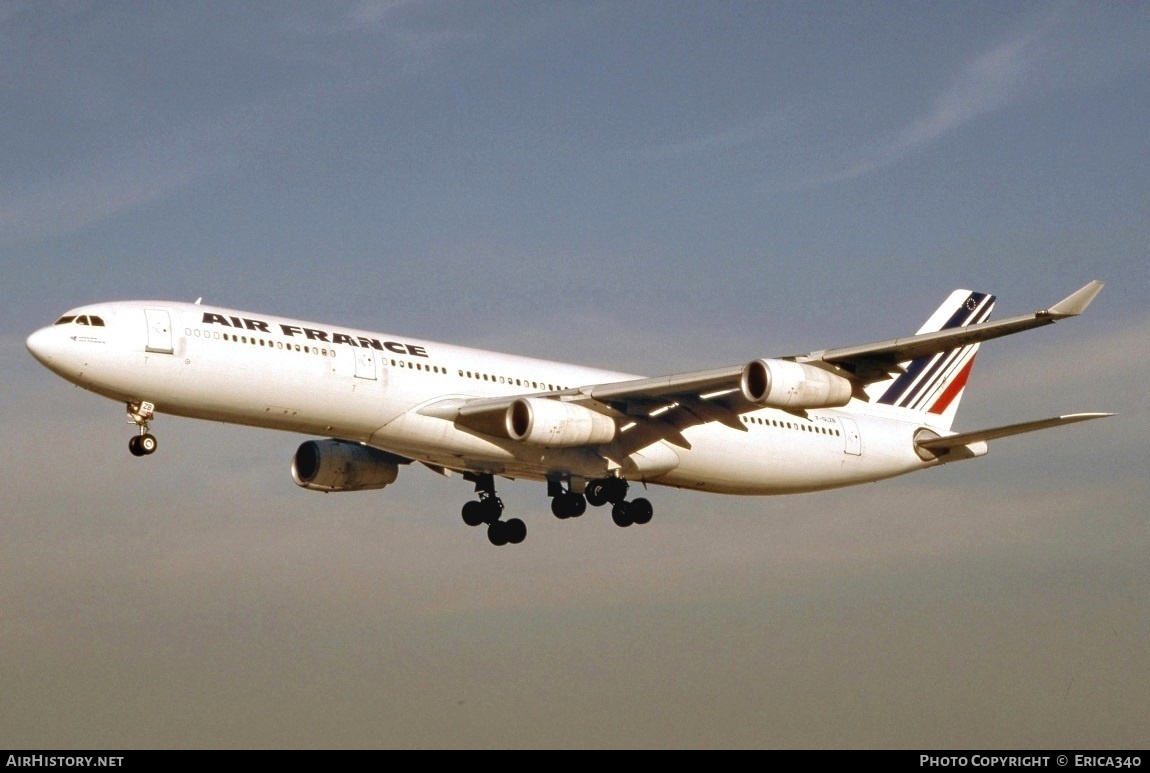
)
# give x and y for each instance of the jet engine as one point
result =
(336, 465)
(541, 422)
(792, 385)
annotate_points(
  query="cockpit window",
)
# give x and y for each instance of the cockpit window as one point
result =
(83, 319)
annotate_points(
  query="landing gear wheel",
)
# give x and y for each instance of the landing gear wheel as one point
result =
(559, 507)
(621, 515)
(497, 533)
(515, 531)
(596, 493)
(148, 444)
(473, 514)
(568, 505)
(616, 489)
(492, 509)
(640, 511)
(134, 445)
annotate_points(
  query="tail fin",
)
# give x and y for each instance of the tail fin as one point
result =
(934, 384)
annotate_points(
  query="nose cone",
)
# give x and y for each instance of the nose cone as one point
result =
(41, 344)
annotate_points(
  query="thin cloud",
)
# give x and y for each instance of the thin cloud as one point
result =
(405, 23)
(376, 13)
(86, 196)
(987, 83)
(726, 138)
(993, 80)
(128, 177)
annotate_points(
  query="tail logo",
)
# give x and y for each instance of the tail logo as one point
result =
(932, 383)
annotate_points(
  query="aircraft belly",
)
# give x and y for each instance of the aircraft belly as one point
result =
(441, 442)
(778, 461)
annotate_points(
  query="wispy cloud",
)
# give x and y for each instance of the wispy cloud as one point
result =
(412, 29)
(990, 81)
(987, 83)
(85, 196)
(125, 177)
(727, 137)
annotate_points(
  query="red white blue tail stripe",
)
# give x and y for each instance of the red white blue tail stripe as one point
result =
(933, 383)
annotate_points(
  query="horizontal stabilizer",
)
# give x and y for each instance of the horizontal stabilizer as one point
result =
(942, 444)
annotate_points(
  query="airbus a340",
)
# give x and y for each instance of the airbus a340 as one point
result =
(781, 425)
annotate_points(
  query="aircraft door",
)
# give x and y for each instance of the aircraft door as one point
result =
(851, 436)
(365, 363)
(159, 331)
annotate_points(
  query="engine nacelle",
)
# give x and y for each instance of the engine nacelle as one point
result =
(551, 423)
(336, 465)
(791, 385)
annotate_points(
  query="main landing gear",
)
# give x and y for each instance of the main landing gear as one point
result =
(568, 504)
(565, 503)
(143, 444)
(487, 509)
(614, 490)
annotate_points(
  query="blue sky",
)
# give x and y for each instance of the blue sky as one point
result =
(645, 186)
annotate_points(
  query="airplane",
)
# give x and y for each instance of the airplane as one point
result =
(782, 425)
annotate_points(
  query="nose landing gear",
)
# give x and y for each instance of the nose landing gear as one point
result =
(143, 444)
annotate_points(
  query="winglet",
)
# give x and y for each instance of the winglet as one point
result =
(1075, 303)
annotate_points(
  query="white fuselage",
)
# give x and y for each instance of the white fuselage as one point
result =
(245, 368)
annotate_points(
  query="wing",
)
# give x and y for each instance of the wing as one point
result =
(651, 409)
(871, 362)
(649, 403)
